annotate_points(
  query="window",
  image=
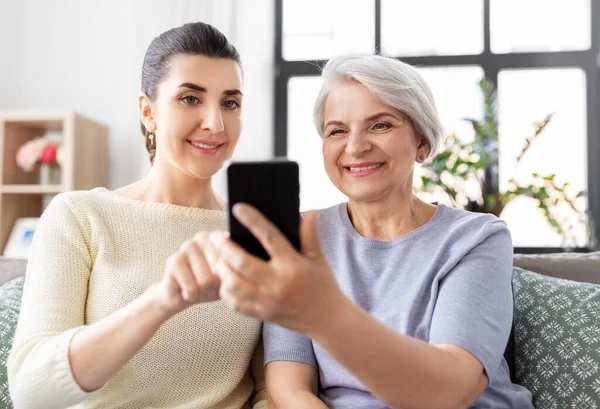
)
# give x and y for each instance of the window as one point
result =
(304, 145)
(542, 56)
(310, 32)
(523, 95)
(539, 26)
(404, 31)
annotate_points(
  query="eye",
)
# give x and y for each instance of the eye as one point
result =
(231, 104)
(190, 100)
(381, 126)
(336, 132)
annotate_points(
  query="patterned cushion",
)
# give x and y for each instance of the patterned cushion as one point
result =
(557, 340)
(10, 305)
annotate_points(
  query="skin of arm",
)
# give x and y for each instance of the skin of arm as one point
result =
(292, 385)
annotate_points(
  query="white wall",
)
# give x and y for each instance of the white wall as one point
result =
(87, 56)
(8, 9)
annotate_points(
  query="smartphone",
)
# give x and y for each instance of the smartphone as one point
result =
(273, 187)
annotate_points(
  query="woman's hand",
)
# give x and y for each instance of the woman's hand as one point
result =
(293, 289)
(189, 277)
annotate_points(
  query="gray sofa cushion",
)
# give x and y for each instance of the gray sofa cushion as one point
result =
(557, 340)
(10, 305)
(11, 268)
(582, 267)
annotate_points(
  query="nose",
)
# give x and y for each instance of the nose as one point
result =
(212, 120)
(357, 144)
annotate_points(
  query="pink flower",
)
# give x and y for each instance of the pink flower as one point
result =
(29, 153)
(48, 154)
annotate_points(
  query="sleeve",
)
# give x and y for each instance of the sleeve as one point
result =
(52, 311)
(474, 304)
(282, 344)
(259, 397)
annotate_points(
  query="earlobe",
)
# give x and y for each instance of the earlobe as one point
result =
(423, 145)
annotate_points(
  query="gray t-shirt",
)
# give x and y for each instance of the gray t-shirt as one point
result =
(447, 282)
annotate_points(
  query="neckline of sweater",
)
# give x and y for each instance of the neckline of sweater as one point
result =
(159, 205)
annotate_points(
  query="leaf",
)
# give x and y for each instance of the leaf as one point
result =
(540, 126)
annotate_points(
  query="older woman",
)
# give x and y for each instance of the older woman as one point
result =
(392, 302)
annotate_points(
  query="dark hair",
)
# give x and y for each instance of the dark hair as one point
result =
(190, 39)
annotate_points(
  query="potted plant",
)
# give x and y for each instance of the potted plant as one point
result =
(476, 163)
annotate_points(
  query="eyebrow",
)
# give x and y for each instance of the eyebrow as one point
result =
(228, 92)
(368, 119)
(380, 115)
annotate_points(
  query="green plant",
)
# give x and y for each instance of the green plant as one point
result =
(468, 173)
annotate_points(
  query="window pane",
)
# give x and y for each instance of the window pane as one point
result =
(304, 146)
(457, 96)
(431, 27)
(539, 25)
(320, 29)
(525, 97)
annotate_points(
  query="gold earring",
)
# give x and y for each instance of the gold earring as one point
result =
(151, 137)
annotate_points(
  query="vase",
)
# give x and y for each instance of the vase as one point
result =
(47, 174)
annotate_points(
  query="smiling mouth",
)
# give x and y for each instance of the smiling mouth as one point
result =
(204, 146)
(363, 168)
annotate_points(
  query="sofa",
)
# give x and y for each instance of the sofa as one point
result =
(548, 275)
(581, 267)
(554, 346)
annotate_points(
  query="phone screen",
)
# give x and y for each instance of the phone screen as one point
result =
(273, 188)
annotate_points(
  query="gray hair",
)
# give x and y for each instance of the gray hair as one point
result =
(396, 84)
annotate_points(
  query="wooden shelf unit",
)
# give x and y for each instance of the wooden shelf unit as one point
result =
(85, 145)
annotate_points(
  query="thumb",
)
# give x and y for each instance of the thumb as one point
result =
(309, 235)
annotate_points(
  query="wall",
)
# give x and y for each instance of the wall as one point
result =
(87, 56)
(8, 9)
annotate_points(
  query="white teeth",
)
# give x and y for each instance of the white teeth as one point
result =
(365, 168)
(203, 146)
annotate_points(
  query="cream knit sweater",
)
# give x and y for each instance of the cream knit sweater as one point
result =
(93, 253)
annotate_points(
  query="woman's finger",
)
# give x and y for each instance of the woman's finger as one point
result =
(184, 277)
(248, 308)
(205, 277)
(309, 235)
(274, 242)
(210, 253)
(240, 260)
(234, 286)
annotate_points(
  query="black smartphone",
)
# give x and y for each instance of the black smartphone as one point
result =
(273, 187)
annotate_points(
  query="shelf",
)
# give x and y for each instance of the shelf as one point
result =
(31, 189)
(50, 120)
(85, 150)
